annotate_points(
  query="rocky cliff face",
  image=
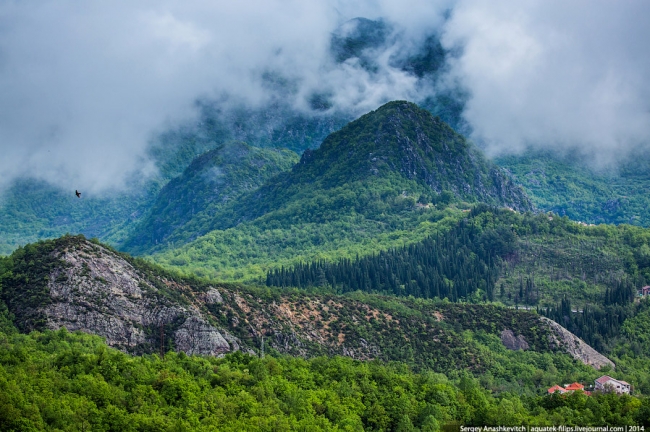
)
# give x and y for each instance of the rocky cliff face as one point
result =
(575, 346)
(99, 292)
(140, 308)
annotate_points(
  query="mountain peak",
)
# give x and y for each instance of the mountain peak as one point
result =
(404, 139)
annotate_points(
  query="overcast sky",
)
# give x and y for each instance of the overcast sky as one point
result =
(85, 86)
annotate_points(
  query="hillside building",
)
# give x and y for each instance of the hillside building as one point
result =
(573, 387)
(607, 384)
(556, 388)
(568, 388)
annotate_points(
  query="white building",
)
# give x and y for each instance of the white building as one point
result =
(607, 384)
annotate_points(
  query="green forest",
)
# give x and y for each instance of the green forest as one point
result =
(452, 265)
(58, 380)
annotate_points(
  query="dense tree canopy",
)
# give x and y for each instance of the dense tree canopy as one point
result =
(63, 381)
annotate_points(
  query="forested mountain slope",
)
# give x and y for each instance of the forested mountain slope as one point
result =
(140, 308)
(568, 186)
(586, 277)
(385, 179)
(213, 179)
(397, 146)
(71, 381)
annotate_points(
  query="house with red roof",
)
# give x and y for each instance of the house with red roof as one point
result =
(645, 291)
(556, 388)
(573, 387)
(568, 388)
(608, 384)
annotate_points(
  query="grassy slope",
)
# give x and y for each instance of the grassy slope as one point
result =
(546, 260)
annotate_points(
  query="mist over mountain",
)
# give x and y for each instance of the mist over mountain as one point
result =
(141, 90)
(99, 109)
(88, 89)
(212, 180)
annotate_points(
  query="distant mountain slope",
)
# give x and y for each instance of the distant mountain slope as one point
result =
(384, 180)
(212, 180)
(397, 149)
(31, 210)
(566, 186)
(137, 307)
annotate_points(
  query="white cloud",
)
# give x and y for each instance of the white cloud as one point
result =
(555, 75)
(86, 85)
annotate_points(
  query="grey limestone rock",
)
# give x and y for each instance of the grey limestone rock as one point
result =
(196, 336)
(98, 292)
(213, 296)
(576, 347)
(513, 342)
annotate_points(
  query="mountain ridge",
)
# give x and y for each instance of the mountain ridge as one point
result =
(398, 149)
(392, 177)
(211, 180)
(73, 283)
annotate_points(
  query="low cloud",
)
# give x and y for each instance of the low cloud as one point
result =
(87, 86)
(553, 75)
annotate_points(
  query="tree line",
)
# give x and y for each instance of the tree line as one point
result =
(452, 265)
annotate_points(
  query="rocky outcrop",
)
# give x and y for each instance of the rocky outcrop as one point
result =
(196, 336)
(576, 347)
(96, 291)
(213, 296)
(513, 342)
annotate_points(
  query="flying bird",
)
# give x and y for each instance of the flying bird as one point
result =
(76, 192)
